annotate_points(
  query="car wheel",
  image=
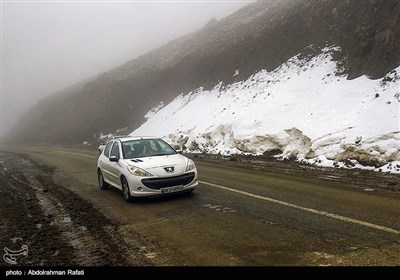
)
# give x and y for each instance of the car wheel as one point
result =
(125, 190)
(102, 184)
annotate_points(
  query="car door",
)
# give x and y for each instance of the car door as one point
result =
(104, 161)
(113, 167)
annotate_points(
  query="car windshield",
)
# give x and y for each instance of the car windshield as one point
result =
(146, 148)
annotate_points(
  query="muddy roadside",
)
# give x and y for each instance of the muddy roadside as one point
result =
(58, 226)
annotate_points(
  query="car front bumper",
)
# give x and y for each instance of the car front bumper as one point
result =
(170, 186)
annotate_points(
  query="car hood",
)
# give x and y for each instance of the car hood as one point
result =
(156, 164)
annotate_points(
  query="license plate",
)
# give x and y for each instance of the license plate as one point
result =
(171, 189)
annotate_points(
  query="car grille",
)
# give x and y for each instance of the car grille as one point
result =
(158, 183)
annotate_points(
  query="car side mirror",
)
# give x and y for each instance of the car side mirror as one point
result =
(114, 159)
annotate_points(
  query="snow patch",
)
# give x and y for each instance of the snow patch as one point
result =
(154, 110)
(304, 109)
(105, 137)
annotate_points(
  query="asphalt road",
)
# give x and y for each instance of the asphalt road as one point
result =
(241, 217)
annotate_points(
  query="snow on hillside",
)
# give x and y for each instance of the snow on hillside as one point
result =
(304, 109)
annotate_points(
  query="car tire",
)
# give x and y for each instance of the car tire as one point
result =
(126, 191)
(102, 184)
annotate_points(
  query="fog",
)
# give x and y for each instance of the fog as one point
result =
(47, 46)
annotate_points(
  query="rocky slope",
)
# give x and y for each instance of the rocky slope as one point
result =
(262, 35)
(305, 109)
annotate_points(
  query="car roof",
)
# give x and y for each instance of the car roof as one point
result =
(129, 138)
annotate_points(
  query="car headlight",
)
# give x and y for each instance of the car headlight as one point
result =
(190, 165)
(138, 171)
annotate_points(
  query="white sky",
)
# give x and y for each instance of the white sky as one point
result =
(49, 45)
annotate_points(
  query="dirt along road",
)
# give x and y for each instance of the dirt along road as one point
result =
(242, 213)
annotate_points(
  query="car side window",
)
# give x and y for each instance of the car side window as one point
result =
(115, 150)
(107, 149)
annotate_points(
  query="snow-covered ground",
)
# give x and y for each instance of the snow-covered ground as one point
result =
(303, 109)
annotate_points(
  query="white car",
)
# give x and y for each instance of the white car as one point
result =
(145, 166)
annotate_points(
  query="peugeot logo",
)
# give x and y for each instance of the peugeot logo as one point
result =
(169, 169)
